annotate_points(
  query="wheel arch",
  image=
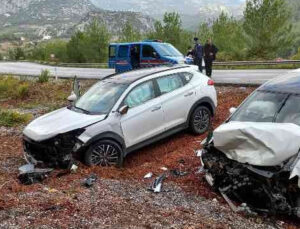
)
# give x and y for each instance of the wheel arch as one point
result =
(207, 102)
(108, 136)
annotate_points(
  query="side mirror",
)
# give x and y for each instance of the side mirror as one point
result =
(124, 109)
(232, 110)
(72, 98)
(155, 54)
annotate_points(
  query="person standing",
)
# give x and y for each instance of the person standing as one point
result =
(198, 54)
(190, 52)
(210, 52)
(134, 57)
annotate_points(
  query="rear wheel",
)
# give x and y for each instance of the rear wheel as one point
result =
(104, 153)
(200, 120)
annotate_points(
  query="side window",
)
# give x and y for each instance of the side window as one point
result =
(141, 94)
(187, 77)
(112, 51)
(148, 51)
(123, 51)
(169, 83)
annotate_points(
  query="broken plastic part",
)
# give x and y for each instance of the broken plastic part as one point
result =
(157, 184)
(34, 176)
(178, 172)
(26, 168)
(148, 175)
(89, 182)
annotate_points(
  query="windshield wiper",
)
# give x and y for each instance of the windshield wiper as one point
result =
(83, 110)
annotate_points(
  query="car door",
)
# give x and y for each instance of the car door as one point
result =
(123, 59)
(177, 98)
(150, 57)
(144, 118)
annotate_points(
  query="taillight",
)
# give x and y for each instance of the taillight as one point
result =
(210, 83)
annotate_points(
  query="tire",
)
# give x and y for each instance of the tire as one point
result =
(104, 153)
(200, 120)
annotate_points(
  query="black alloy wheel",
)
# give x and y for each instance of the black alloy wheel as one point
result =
(200, 120)
(104, 153)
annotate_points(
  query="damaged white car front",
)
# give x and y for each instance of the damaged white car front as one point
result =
(254, 157)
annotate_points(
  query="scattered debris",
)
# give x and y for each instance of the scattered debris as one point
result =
(148, 175)
(89, 182)
(181, 161)
(74, 168)
(157, 184)
(51, 190)
(34, 176)
(26, 168)
(178, 173)
(164, 168)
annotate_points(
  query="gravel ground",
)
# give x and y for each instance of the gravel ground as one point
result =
(121, 204)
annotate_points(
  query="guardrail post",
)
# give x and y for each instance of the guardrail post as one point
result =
(56, 76)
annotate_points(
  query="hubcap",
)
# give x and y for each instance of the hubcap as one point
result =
(104, 155)
(201, 120)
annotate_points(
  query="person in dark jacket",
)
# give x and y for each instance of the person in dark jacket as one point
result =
(134, 57)
(190, 52)
(210, 52)
(198, 54)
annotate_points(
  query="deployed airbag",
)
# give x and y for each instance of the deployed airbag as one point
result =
(261, 144)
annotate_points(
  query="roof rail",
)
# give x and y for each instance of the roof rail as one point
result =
(171, 67)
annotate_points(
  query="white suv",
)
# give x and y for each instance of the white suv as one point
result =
(122, 113)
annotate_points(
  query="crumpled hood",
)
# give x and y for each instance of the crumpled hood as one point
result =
(58, 122)
(260, 144)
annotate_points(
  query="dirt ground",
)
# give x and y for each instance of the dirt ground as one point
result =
(120, 197)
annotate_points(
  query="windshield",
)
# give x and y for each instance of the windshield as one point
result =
(260, 107)
(100, 98)
(290, 112)
(167, 50)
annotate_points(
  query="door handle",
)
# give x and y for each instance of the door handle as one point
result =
(156, 109)
(188, 94)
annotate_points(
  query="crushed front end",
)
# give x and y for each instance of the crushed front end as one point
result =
(268, 189)
(56, 152)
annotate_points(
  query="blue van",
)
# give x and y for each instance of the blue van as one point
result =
(150, 53)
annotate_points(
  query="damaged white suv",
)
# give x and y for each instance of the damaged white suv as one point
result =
(122, 113)
(254, 157)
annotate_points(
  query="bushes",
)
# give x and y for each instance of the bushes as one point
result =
(13, 88)
(297, 56)
(44, 76)
(43, 51)
(13, 118)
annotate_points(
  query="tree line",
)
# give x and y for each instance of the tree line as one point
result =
(264, 32)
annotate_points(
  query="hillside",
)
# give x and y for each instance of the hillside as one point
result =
(57, 18)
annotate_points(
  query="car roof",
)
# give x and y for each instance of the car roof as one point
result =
(132, 76)
(288, 83)
(138, 43)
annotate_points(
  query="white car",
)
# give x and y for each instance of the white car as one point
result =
(122, 113)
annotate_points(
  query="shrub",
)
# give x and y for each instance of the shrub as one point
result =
(13, 118)
(44, 76)
(22, 91)
(11, 87)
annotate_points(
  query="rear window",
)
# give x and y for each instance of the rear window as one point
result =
(123, 51)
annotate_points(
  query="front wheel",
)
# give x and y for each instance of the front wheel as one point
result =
(104, 153)
(200, 120)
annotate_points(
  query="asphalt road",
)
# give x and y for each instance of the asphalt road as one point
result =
(219, 76)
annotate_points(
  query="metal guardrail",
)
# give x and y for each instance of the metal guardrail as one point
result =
(248, 63)
(216, 63)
